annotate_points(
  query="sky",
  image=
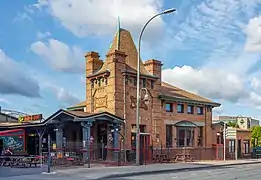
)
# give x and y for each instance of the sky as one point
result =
(209, 47)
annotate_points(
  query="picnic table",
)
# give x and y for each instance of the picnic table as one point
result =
(184, 157)
(19, 161)
(161, 158)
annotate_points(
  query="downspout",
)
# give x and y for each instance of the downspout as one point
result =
(124, 117)
(205, 126)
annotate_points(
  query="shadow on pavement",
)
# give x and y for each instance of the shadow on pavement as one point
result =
(122, 176)
(10, 172)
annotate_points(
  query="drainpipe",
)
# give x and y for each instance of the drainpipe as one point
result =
(124, 117)
(205, 125)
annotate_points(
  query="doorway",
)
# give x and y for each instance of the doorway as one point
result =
(239, 148)
(102, 140)
(32, 144)
(1, 146)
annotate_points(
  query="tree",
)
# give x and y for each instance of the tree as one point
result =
(232, 124)
(256, 136)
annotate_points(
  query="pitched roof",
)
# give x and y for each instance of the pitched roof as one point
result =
(173, 91)
(123, 42)
(79, 105)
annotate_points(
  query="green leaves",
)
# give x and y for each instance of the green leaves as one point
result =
(256, 136)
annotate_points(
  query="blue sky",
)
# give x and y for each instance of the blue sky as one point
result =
(210, 47)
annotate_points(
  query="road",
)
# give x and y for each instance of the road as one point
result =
(239, 172)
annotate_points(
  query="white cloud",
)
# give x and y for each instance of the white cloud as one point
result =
(212, 83)
(253, 33)
(42, 35)
(99, 17)
(60, 56)
(2, 100)
(65, 97)
(219, 29)
(14, 80)
(218, 110)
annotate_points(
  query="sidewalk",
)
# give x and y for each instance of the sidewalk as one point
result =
(125, 171)
(102, 173)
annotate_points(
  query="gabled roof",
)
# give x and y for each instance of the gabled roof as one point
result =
(7, 118)
(170, 91)
(77, 106)
(75, 116)
(123, 42)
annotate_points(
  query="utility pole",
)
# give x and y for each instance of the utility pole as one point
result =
(49, 154)
(224, 140)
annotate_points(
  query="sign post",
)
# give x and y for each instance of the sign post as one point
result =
(224, 140)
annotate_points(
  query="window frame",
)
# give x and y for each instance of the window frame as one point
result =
(192, 109)
(182, 108)
(171, 107)
(246, 143)
(202, 110)
(186, 130)
(169, 135)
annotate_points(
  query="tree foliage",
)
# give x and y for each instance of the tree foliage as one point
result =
(256, 136)
(232, 124)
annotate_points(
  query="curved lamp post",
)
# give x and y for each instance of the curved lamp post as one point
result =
(168, 11)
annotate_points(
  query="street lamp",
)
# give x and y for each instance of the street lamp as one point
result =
(138, 84)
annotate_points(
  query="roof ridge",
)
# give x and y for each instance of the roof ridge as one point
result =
(186, 91)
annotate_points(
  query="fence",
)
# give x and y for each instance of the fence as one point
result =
(74, 154)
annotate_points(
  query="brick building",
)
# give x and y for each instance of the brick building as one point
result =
(174, 117)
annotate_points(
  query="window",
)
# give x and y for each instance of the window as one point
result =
(200, 110)
(169, 107)
(185, 137)
(135, 81)
(246, 146)
(152, 84)
(231, 145)
(168, 135)
(190, 109)
(180, 108)
(200, 136)
(144, 83)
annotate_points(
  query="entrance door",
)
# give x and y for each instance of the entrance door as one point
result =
(144, 148)
(1, 146)
(102, 140)
(239, 148)
(32, 144)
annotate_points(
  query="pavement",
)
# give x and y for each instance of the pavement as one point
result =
(240, 172)
(121, 171)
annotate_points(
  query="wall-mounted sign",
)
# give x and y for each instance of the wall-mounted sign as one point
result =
(30, 118)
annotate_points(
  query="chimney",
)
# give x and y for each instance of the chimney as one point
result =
(154, 67)
(93, 63)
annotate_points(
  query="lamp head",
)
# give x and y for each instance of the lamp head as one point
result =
(146, 99)
(168, 11)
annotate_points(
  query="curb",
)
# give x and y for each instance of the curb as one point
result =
(174, 170)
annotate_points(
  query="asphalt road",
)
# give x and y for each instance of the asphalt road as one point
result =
(239, 172)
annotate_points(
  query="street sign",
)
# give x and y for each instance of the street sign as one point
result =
(231, 133)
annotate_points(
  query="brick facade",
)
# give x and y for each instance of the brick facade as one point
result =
(111, 86)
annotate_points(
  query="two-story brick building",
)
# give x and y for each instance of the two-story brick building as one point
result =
(174, 117)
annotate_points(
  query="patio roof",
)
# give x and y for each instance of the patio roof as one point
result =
(61, 114)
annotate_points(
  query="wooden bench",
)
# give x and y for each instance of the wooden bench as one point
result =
(161, 158)
(184, 157)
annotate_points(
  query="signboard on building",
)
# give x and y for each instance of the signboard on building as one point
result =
(30, 118)
(231, 133)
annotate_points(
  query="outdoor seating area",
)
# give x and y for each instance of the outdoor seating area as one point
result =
(20, 161)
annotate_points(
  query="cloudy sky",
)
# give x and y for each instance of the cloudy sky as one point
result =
(210, 47)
